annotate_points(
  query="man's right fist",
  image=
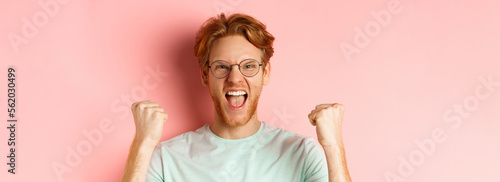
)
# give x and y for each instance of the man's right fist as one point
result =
(149, 118)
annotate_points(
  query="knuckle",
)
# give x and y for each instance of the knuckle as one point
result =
(135, 105)
(326, 109)
(338, 106)
(157, 114)
(141, 105)
(149, 110)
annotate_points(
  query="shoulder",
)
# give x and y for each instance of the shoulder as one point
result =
(183, 140)
(288, 138)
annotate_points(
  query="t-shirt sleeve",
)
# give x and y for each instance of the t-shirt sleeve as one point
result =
(316, 168)
(155, 169)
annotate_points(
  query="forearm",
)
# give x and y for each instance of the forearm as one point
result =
(336, 161)
(138, 161)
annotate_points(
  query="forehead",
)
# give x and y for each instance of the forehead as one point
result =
(233, 49)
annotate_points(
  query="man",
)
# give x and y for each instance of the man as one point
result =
(234, 54)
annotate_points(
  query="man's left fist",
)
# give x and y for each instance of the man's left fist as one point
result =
(328, 121)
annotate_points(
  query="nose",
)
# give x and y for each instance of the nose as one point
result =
(235, 75)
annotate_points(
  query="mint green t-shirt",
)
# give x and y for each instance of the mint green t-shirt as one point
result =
(271, 154)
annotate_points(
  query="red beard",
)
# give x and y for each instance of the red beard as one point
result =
(250, 111)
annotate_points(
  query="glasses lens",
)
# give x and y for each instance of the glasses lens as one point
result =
(220, 69)
(249, 67)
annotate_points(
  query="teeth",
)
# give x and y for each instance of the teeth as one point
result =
(236, 93)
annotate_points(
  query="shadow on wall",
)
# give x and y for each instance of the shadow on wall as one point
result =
(199, 102)
(184, 82)
(169, 43)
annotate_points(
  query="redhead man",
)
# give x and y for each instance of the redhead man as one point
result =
(234, 56)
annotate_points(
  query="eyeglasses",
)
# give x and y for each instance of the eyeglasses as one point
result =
(221, 69)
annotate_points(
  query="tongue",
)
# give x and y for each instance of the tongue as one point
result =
(236, 101)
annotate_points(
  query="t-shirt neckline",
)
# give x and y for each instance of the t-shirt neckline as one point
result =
(249, 138)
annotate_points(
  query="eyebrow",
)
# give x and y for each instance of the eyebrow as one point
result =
(240, 61)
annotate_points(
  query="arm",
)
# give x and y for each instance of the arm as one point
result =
(149, 118)
(138, 161)
(337, 165)
(328, 121)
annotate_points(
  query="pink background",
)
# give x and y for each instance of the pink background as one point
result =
(84, 62)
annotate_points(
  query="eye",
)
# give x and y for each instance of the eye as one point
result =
(249, 66)
(221, 67)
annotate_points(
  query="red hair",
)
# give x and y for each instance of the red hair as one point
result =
(236, 24)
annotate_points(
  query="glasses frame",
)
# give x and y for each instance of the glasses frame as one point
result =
(231, 68)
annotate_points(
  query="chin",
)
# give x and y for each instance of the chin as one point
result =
(235, 118)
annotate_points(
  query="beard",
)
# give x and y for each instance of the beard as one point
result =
(251, 104)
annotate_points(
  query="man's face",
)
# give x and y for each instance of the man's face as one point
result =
(231, 106)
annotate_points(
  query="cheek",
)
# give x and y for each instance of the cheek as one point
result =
(215, 86)
(256, 85)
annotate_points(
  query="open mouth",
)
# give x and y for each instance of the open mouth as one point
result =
(236, 99)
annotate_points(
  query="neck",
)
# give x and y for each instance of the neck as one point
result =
(223, 130)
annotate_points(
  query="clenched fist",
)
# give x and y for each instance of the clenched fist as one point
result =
(328, 121)
(149, 118)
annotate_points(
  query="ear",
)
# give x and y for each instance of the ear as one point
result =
(204, 77)
(267, 73)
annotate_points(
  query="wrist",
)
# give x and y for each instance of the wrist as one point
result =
(144, 143)
(336, 142)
